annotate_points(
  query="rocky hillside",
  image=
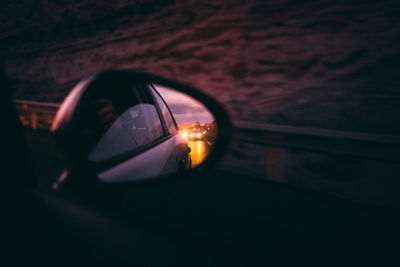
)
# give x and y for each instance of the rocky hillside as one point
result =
(330, 64)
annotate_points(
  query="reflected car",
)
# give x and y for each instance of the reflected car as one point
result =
(196, 134)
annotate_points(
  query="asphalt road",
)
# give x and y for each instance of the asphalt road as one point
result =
(200, 150)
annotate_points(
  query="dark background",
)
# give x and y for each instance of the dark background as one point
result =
(329, 64)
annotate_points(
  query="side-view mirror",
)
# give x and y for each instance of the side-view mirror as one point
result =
(120, 126)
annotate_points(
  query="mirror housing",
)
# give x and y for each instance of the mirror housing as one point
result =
(69, 121)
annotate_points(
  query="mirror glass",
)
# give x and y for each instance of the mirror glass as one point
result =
(139, 130)
(195, 123)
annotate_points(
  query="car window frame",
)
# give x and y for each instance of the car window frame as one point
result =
(160, 111)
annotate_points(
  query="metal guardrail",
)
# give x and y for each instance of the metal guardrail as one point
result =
(37, 115)
(375, 146)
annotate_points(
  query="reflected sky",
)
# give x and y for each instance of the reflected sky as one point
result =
(186, 110)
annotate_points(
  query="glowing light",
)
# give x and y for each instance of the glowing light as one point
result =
(198, 135)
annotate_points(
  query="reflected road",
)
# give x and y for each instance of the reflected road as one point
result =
(200, 150)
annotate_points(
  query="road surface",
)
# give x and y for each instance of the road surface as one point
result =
(200, 150)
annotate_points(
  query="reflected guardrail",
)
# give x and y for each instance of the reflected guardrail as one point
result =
(39, 115)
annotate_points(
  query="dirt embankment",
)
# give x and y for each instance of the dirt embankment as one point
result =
(330, 64)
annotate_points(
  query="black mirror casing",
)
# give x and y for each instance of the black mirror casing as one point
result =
(69, 121)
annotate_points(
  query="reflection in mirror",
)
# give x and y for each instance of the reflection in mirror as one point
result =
(141, 130)
(195, 122)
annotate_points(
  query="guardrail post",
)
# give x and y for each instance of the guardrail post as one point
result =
(37, 115)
